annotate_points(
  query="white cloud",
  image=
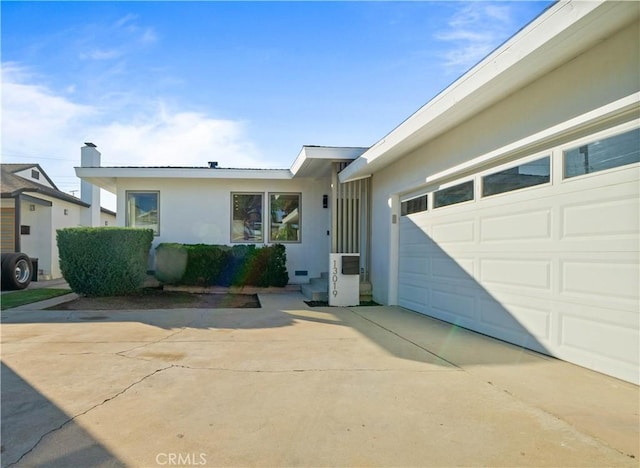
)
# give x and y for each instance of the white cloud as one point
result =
(34, 119)
(125, 36)
(42, 126)
(161, 137)
(474, 31)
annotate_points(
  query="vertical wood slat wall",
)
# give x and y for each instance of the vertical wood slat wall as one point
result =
(351, 218)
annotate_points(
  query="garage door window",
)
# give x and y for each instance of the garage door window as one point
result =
(452, 195)
(525, 175)
(415, 205)
(607, 153)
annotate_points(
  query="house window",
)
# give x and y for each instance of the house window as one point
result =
(35, 174)
(525, 175)
(284, 211)
(451, 195)
(143, 210)
(415, 205)
(246, 217)
(607, 153)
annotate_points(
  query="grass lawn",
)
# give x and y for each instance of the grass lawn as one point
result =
(27, 296)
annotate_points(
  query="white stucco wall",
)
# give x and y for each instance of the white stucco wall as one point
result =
(44, 222)
(37, 244)
(107, 219)
(605, 73)
(199, 211)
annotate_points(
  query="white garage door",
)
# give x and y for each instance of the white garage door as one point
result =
(542, 252)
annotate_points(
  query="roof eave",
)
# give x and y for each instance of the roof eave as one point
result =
(538, 48)
(107, 177)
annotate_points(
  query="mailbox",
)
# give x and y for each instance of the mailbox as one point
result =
(344, 279)
(350, 265)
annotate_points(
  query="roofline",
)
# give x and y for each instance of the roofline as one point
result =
(29, 166)
(107, 211)
(330, 153)
(492, 78)
(106, 177)
(61, 196)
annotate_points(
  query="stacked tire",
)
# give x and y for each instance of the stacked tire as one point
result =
(17, 271)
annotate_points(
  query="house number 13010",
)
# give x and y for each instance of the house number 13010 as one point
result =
(334, 278)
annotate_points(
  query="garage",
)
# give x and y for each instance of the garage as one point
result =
(540, 251)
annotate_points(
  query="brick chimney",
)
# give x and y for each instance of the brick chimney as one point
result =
(89, 193)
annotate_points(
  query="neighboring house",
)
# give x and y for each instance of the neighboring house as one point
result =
(33, 209)
(508, 204)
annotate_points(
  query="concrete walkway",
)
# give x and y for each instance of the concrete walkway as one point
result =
(288, 385)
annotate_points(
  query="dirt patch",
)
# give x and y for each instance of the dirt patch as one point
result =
(150, 298)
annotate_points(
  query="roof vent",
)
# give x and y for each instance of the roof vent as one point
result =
(213, 164)
(91, 145)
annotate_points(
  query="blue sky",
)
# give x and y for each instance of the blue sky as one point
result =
(242, 83)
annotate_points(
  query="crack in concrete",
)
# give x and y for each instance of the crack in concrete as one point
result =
(148, 343)
(405, 339)
(107, 400)
(284, 371)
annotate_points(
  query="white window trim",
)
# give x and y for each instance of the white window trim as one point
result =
(608, 133)
(515, 163)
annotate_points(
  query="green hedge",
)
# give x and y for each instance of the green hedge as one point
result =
(104, 261)
(208, 265)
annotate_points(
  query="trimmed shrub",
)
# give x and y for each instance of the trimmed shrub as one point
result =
(205, 264)
(171, 262)
(277, 266)
(263, 267)
(104, 261)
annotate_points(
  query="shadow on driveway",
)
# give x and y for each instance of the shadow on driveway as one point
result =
(29, 418)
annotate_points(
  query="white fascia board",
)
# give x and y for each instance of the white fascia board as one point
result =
(106, 177)
(547, 42)
(331, 153)
(623, 108)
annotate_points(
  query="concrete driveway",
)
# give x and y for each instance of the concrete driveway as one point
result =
(288, 385)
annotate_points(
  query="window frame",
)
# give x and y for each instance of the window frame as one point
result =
(405, 201)
(590, 139)
(458, 182)
(299, 208)
(232, 219)
(512, 165)
(127, 223)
